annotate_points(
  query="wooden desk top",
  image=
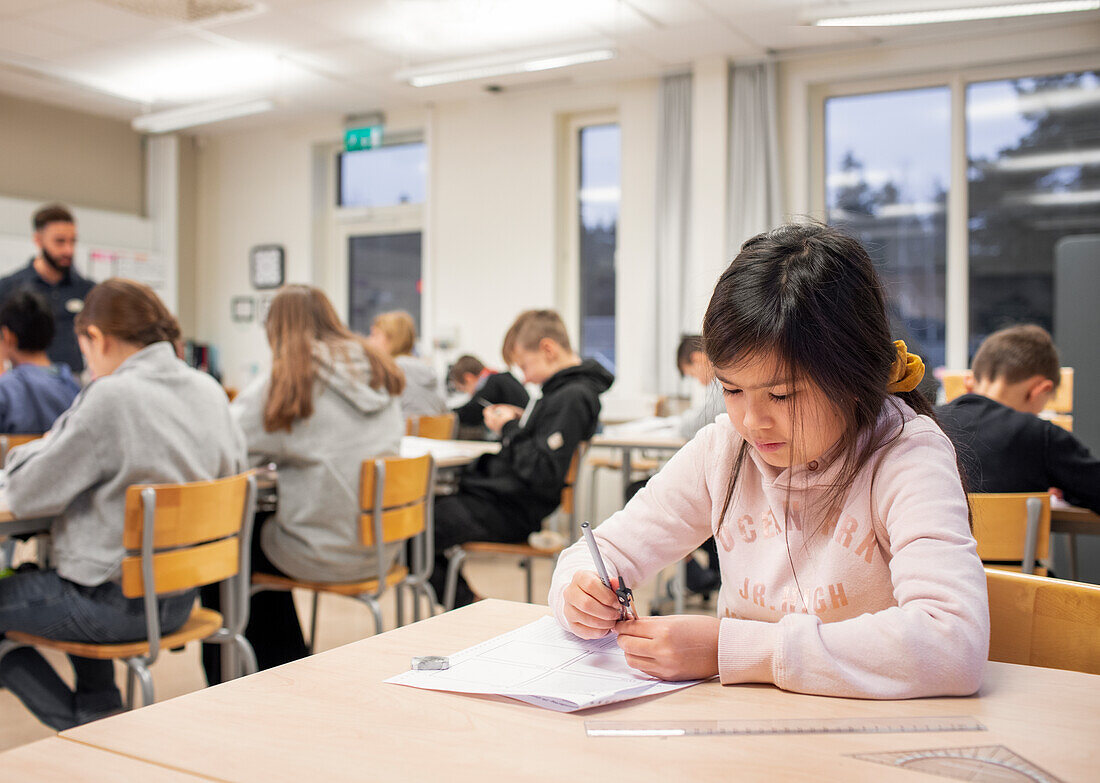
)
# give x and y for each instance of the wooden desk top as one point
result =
(57, 760)
(331, 717)
(1072, 519)
(448, 453)
(640, 440)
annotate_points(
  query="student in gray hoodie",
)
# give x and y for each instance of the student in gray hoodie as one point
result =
(329, 403)
(395, 333)
(146, 418)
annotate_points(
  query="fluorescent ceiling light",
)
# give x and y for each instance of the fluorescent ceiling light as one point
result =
(199, 114)
(963, 14)
(468, 71)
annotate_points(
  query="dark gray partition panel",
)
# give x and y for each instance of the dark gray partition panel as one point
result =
(1077, 333)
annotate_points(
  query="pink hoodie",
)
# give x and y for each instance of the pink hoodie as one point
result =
(889, 603)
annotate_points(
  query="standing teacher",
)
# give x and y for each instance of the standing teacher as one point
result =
(51, 274)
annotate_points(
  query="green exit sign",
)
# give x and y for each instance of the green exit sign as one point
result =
(363, 138)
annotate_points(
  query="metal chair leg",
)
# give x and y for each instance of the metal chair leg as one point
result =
(130, 677)
(137, 668)
(248, 655)
(528, 566)
(376, 612)
(313, 623)
(399, 603)
(455, 556)
(429, 593)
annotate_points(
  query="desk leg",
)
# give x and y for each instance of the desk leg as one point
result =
(231, 669)
(1071, 547)
(679, 587)
(627, 471)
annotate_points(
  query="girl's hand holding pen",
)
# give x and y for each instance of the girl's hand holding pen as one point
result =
(591, 609)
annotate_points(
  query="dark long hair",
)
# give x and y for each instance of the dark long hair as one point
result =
(808, 295)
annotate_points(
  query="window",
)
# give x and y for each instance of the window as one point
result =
(887, 171)
(383, 275)
(1033, 152)
(382, 177)
(598, 216)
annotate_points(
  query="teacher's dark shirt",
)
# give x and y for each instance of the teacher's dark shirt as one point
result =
(66, 300)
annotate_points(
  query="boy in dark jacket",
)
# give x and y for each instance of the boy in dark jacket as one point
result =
(1003, 445)
(486, 388)
(504, 497)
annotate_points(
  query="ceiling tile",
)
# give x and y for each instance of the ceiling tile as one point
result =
(93, 21)
(34, 41)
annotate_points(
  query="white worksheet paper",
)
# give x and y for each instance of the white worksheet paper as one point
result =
(545, 665)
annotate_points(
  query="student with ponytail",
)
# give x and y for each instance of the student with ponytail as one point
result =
(146, 418)
(848, 566)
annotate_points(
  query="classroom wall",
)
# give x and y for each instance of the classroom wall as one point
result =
(491, 222)
(54, 154)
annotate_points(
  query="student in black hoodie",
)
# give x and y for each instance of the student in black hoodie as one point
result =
(504, 497)
(1003, 445)
(485, 387)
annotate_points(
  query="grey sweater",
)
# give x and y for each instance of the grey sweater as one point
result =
(314, 535)
(153, 420)
(422, 396)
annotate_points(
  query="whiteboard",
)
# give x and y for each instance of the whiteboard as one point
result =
(109, 244)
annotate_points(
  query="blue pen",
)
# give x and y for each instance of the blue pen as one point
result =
(624, 593)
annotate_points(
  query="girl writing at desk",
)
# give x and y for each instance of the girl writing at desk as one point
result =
(848, 566)
(146, 418)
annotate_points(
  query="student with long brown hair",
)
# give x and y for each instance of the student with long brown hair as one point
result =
(847, 562)
(329, 403)
(146, 418)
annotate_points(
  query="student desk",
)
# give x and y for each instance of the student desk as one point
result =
(56, 760)
(331, 717)
(1072, 520)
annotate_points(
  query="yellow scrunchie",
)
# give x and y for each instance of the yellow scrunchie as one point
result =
(907, 372)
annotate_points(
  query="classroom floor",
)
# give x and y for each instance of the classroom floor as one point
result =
(342, 621)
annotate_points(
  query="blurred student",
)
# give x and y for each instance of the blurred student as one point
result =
(51, 273)
(329, 403)
(35, 391)
(486, 388)
(692, 362)
(146, 418)
(1003, 445)
(505, 496)
(394, 334)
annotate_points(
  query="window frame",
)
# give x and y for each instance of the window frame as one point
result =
(957, 326)
(568, 274)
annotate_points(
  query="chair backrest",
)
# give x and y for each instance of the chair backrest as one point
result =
(954, 383)
(440, 427)
(394, 495)
(1012, 526)
(569, 491)
(185, 535)
(1063, 420)
(1043, 622)
(9, 442)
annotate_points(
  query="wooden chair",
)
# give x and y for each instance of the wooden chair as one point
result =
(1010, 527)
(9, 442)
(435, 427)
(1039, 621)
(395, 498)
(524, 551)
(178, 537)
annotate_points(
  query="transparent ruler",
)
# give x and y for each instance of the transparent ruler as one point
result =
(710, 728)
